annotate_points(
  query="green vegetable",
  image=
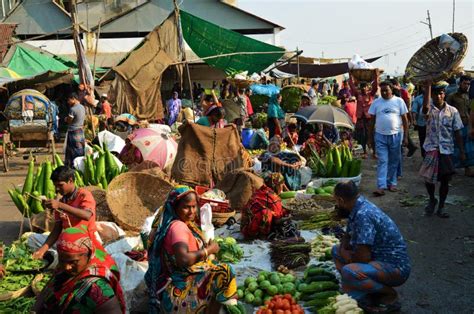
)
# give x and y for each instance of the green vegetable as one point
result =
(100, 168)
(272, 290)
(14, 196)
(98, 149)
(316, 271)
(329, 189)
(14, 282)
(319, 286)
(36, 205)
(38, 178)
(355, 168)
(337, 161)
(29, 181)
(291, 98)
(317, 303)
(26, 209)
(329, 163)
(324, 295)
(249, 298)
(328, 277)
(345, 169)
(58, 161)
(287, 195)
(229, 250)
(40, 186)
(275, 279)
(48, 185)
(21, 305)
(78, 179)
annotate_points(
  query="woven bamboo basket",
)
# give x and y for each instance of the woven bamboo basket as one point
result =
(219, 219)
(364, 75)
(134, 196)
(433, 63)
(240, 83)
(34, 284)
(102, 210)
(14, 294)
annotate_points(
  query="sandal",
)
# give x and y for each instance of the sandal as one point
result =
(379, 193)
(430, 208)
(392, 188)
(442, 214)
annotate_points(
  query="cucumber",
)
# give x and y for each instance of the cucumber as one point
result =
(287, 195)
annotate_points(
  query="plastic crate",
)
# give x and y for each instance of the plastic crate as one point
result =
(217, 206)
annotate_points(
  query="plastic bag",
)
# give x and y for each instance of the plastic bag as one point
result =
(206, 222)
(109, 231)
(358, 63)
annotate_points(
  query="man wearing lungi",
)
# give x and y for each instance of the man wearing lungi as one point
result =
(75, 142)
(443, 125)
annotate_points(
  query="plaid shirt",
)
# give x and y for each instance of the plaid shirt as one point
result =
(440, 128)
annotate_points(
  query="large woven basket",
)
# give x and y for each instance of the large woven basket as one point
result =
(219, 219)
(364, 75)
(102, 210)
(433, 63)
(14, 294)
(240, 83)
(134, 196)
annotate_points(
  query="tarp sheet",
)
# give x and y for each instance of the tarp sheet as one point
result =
(320, 70)
(40, 82)
(136, 86)
(207, 39)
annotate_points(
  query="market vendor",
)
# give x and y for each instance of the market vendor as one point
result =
(130, 154)
(318, 142)
(76, 207)
(372, 257)
(264, 208)
(275, 116)
(286, 163)
(75, 142)
(181, 277)
(214, 117)
(87, 279)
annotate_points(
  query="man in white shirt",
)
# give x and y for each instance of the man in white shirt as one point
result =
(389, 118)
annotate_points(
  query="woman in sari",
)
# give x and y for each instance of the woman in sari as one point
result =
(264, 208)
(130, 154)
(214, 117)
(286, 163)
(86, 279)
(181, 278)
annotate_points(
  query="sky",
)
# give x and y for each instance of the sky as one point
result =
(342, 28)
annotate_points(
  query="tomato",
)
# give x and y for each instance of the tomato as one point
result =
(279, 304)
(286, 305)
(280, 312)
(295, 311)
(288, 297)
(271, 305)
(268, 311)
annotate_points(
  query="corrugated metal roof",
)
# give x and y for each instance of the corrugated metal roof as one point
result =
(38, 17)
(6, 32)
(144, 18)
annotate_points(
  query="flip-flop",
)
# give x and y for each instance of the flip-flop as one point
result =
(378, 193)
(430, 208)
(442, 214)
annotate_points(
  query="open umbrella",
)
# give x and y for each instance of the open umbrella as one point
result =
(128, 118)
(305, 112)
(155, 145)
(331, 115)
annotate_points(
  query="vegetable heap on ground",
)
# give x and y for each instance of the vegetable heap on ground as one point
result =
(322, 246)
(268, 284)
(339, 163)
(305, 208)
(229, 250)
(341, 304)
(291, 253)
(281, 304)
(320, 221)
(318, 287)
(39, 285)
(326, 189)
(13, 282)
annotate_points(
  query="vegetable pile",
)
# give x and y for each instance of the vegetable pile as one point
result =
(326, 100)
(99, 171)
(291, 253)
(281, 304)
(318, 287)
(291, 98)
(18, 258)
(229, 250)
(341, 304)
(320, 221)
(21, 305)
(322, 245)
(13, 282)
(339, 163)
(305, 208)
(268, 284)
(39, 285)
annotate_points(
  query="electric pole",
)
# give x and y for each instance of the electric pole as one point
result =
(429, 23)
(454, 9)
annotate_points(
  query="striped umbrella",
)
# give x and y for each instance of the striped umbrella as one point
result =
(8, 73)
(155, 145)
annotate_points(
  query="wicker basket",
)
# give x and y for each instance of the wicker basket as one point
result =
(364, 75)
(433, 63)
(219, 219)
(240, 83)
(102, 210)
(134, 196)
(14, 294)
(34, 284)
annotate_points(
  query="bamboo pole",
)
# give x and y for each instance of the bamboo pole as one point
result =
(96, 48)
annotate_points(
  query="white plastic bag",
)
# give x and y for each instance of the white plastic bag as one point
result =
(113, 142)
(206, 222)
(358, 63)
(109, 231)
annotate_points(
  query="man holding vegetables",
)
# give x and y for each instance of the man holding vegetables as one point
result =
(76, 207)
(372, 256)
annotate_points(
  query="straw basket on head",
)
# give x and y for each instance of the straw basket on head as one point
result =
(134, 196)
(432, 62)
(240, 83)
(364, 75)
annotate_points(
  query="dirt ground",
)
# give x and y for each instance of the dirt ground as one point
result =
(441, 250)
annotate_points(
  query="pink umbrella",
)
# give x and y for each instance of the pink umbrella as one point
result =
(155, 145)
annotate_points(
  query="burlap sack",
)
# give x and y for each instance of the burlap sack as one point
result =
(43, 222)
(239, 186)
(206, 154)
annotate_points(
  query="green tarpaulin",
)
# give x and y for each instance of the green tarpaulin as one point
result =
(29, 61)
(207, 39)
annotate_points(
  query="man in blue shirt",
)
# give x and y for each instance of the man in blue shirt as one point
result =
(372, 257)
